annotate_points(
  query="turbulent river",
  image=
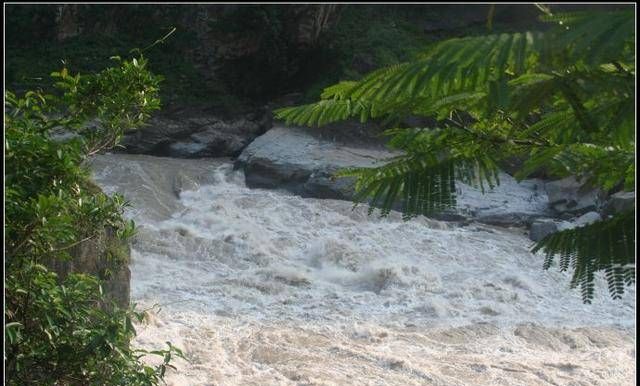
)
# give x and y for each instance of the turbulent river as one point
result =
(260, 287)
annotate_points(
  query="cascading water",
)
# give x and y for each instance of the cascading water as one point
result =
(261, 287)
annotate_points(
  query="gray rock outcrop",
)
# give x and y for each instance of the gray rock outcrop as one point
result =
(585, 219)
(303, 161)
(195, 135)
(296, 160)
(104, 256)
(619, 202)
(572, 196)
(157, 181)
(541, 228)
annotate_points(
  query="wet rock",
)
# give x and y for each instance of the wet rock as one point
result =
(299, 161)
(304, 162)
(508, 219)
(322, 184)
(619, 202)
(586, 219)
(578, 221)
(566, 216)
(104, 256)
(542, 228)
(183, 182)
(570, 195)
(511, 203)
(488, 311)
(157, 181)
(196, 134)
(186, 149)
(265, 173)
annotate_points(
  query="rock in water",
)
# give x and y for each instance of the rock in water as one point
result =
(195, 135)
(542, 228)
(619, 202)
(587, 218)
(572, 196)
(296, 160)
(301, 161)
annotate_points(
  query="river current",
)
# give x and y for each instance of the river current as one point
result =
(261, 287)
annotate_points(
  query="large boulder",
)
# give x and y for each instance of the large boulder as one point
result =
(304, 161)
(586, 219)
(619, 202)
(572, 196)
(511, 203)
(542, 227)
(196, 134)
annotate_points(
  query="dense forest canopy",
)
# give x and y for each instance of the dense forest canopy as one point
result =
(231, 54)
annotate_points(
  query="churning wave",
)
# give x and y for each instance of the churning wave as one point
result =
(262, 287)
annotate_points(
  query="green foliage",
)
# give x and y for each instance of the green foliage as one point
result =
(605, 245)
(65, 331)
(32, 49)
(562, 99)
(263, 70)
(60, 335)
(363, 38)
(423, 180)
(369, 37)
(225, 56)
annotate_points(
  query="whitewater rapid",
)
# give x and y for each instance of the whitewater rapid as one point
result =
(261, 287)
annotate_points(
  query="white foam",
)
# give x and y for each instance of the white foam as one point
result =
(262, 287)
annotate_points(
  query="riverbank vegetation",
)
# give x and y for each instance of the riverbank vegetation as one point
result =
(60, 327)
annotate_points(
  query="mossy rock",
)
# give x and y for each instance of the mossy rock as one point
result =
(104, 256)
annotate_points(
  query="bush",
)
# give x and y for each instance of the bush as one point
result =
(67, 332)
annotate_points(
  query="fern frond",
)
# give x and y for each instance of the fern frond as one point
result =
(530, 91)
(599, 164)
(596, 37)
(563, 98)
(454, 66)
(418, 185)
(324, 112)
(559, 127)
(338, 91)
(327, 111)
(616, 119)
(606, 245)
